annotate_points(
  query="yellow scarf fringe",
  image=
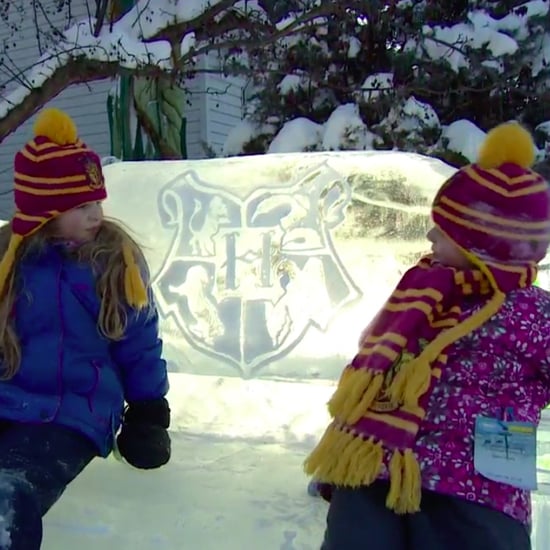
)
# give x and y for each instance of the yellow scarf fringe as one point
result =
(405, 483)
(356, 391)
(411, 382)
(344, 458)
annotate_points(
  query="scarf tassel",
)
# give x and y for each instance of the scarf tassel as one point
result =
(405, 483)
(134, 288)
(343, 458)
(411, 382)
(356, 391)
(8, 260)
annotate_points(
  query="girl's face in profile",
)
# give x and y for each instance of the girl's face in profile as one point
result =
(80, 224)
(445, 251)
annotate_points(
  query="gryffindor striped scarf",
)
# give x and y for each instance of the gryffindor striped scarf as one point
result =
(383, 393)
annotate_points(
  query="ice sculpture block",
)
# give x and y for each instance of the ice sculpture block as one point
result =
(270, 265)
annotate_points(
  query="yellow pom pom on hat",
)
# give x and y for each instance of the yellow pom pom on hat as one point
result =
(508, 143)
(53, 173)
(57, 126)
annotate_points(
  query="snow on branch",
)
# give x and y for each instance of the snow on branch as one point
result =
(153, 37)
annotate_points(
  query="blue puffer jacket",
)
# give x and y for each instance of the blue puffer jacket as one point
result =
(69, 373)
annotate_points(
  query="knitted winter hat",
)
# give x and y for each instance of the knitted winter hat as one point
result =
(56, 172)
(498, 209)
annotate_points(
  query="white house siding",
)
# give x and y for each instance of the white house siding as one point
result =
(216, 107)
(194, 113)
(224, 104)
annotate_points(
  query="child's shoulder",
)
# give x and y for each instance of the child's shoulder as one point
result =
(530, 300)
(532, 292)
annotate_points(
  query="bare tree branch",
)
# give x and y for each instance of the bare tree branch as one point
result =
(100, 14)
(219, 28)
(76, 71)
(36, 26)
(164, 147)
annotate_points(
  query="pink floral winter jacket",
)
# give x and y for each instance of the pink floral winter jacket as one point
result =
(505, 363)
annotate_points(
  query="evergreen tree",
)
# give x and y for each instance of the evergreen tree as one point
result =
(409, 68)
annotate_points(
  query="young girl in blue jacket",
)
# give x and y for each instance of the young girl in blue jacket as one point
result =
(78, 334)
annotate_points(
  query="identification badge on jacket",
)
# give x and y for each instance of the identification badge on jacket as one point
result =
(506, 451)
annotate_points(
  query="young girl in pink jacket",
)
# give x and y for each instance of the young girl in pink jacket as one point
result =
(432, 443)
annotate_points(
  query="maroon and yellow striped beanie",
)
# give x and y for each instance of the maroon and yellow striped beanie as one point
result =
(497, 210)
(56, 172)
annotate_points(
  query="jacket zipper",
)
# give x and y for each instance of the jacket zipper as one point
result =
(61, 343)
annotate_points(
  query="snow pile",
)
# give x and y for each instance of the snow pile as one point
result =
(292, 83)
(346, 130)
(354, 47)
(463, 137)
(242, 134)
(452, 43)
(300, 134)
(377, 84)
(411, 121)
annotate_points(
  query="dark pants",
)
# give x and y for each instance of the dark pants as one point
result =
(37, 462)
(359, 520)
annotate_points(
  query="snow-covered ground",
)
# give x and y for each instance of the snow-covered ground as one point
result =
(221, 490)
(215, 494)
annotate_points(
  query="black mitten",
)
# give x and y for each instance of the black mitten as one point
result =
(143, 440)
(155, 411)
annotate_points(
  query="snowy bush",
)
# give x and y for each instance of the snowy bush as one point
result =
(430, 77)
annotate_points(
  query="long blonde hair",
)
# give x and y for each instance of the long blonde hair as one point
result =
(104, 255)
